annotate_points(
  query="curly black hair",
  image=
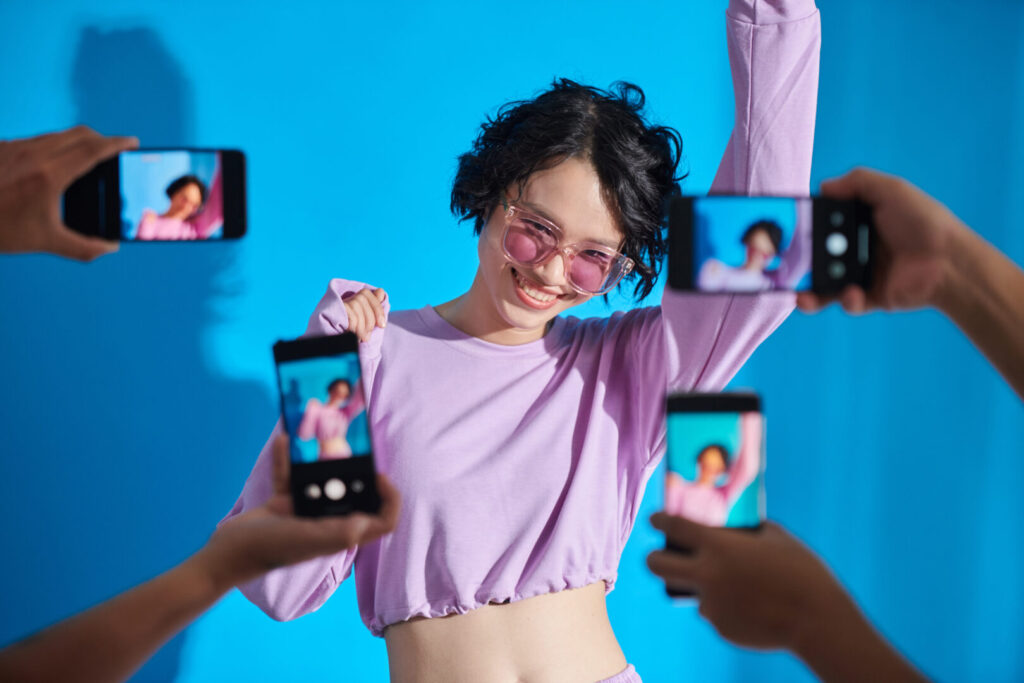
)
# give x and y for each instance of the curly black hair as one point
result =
(769, 227)
(636, 162)
(184, 181)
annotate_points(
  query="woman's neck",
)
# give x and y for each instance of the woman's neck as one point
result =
(474, 314)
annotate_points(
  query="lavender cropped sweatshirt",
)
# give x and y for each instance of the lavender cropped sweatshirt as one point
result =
(522, 467)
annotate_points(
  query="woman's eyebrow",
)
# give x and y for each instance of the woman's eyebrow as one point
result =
(540, 211)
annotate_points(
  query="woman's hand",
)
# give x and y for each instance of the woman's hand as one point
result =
(33, 176)
(365, 311)
(271, 536)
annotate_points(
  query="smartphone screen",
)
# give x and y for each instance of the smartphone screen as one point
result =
(160, 195)
(172, 195)
(715, 460)
(734, 244)
(323, 407)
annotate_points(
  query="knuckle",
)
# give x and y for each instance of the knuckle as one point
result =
(38, 180)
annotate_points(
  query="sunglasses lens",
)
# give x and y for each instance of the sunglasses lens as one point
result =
(527, 242)
(593, 271)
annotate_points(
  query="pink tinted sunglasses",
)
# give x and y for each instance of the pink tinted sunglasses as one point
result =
(590, 268)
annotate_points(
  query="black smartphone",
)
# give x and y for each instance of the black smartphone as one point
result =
(739, 244)
(160, 195)
(323, 407)
(715, 462)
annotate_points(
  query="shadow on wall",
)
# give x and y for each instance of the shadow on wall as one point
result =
(149, 422)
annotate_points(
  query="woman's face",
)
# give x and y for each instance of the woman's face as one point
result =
(340, 392)
(569, 195)
(711, 465)
(186, 201)
(760, 249)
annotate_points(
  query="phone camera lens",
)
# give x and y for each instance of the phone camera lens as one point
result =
(334, 489)
(313, 492)
(356, 486)
(836, 270)
(836, 244)
(836, 218)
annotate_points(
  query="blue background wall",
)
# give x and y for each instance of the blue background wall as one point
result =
(138, 390)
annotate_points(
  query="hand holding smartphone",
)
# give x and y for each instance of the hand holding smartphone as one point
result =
(715, 461)
(161, 195)
(739, 244)
(323, 408)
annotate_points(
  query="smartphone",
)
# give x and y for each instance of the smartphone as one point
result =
(323, 407)
(739, 244)
(715, 462)
(160, 195)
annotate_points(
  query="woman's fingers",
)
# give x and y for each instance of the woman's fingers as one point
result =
(354, 316)
(376, 301)
(365, 311)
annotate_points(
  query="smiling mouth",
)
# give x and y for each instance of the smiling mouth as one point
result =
(530, 295)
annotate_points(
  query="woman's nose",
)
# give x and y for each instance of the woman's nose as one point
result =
(552, 271)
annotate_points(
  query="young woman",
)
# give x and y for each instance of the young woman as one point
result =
(328, 422)
(704, 500)
(762, 241)
(521, 486)
(186, 218)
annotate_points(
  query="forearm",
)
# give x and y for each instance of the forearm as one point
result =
(773, 53)
(112, 640)
(983, 293)
(843, 647)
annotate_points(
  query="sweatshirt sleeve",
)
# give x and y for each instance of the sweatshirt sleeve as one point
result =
(697, 342)
(796, 259)
(290, 592)
(211, 218)
(747, 463)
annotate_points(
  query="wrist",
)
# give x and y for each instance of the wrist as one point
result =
(957, 246)
(211, 571)
(828, 621)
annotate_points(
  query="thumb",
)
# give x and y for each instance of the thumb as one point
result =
(71, 245)
(860, 183)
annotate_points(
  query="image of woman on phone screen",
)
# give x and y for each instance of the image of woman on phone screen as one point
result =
(194, 213)
(328, 422)
(522, 439)
(706, 499)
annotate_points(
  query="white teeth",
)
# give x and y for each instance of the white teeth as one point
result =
(533, 293)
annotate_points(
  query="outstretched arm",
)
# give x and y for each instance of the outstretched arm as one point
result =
(747, 463)
(767, 591)
(110, 641)
(307, 427)
(928, 257)
(356, 404)
(796, 259)
(211, 218)
(773, 51)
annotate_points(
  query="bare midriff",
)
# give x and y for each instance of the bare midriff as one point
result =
(562, 637)
(335, 447)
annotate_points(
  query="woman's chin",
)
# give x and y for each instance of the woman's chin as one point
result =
(520, 317)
